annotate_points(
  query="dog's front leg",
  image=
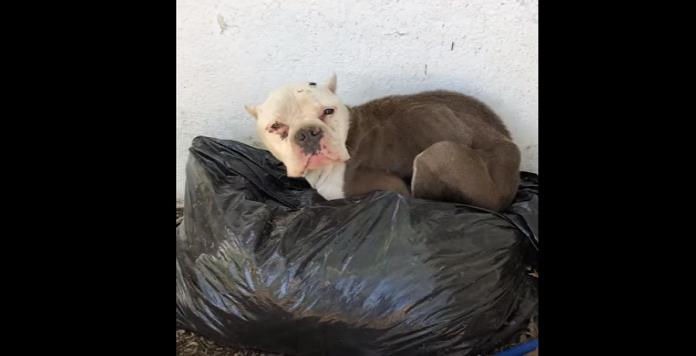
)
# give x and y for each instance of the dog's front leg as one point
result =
(365, 180)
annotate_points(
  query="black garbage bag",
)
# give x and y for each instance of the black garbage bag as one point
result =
(266, 263)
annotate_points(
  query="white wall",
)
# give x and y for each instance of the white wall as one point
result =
(231, 53)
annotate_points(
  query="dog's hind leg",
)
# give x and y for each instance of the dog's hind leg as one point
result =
(450, 171)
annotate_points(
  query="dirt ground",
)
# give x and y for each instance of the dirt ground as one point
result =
(190, 344)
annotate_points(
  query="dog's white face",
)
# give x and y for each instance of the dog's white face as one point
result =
(305, 126)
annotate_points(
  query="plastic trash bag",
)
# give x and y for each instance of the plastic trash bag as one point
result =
(265, 263)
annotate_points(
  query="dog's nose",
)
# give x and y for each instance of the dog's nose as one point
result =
(308, 139)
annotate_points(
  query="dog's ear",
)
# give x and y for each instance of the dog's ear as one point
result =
(331, 84)
(251, 109)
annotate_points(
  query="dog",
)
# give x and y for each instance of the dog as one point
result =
(436, 145)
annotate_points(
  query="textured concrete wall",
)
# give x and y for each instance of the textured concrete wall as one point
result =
(231, 53)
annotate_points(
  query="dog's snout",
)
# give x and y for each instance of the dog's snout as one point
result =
(308, 139)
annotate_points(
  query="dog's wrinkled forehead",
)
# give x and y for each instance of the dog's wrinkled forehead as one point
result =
(295, 100)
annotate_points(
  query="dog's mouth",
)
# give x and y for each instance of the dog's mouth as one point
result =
(317, 160)
(306, 161)
(326, 153)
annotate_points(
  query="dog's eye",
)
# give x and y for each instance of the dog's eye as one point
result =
(328, 111)
(280, 129)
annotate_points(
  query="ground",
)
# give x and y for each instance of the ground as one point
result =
(190, 344)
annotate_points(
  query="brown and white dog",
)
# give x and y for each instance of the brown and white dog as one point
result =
(436, 145)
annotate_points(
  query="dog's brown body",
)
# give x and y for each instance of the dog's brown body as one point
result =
(459, 149)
